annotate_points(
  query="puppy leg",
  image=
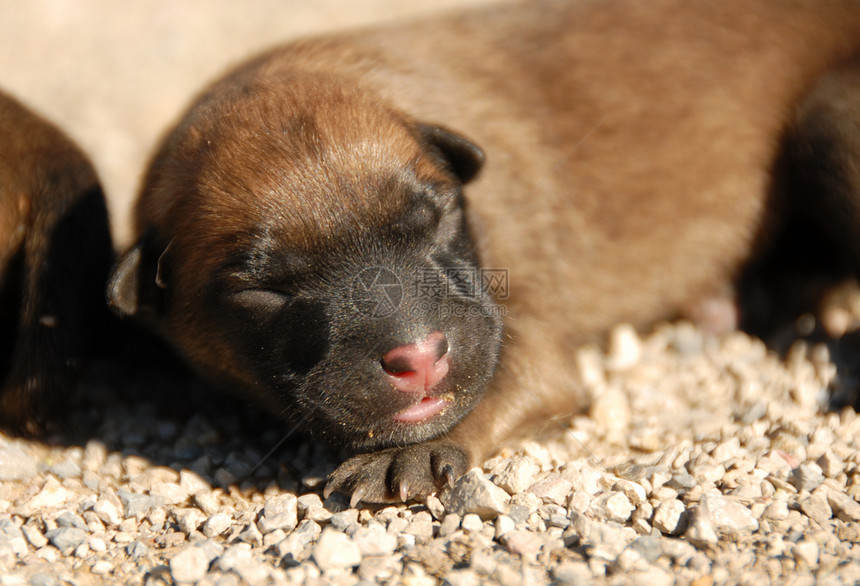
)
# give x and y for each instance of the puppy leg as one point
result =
(55, 268)
(810, 239)
(64, 263)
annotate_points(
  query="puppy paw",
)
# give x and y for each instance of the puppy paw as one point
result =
(399, 474)
(31, 405)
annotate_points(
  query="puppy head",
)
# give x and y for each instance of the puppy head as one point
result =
(305, 243)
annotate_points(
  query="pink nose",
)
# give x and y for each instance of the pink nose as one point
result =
(418, 367)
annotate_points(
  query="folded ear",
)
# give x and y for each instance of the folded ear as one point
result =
(463, 157)
(136, 285)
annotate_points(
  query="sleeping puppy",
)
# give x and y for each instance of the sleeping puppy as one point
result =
(395, 238)
(55, 255)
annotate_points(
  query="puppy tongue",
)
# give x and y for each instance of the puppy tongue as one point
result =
(427, 408)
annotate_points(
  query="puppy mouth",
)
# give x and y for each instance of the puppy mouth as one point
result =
(426, 408)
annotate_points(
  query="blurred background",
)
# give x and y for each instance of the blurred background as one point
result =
(114, 75)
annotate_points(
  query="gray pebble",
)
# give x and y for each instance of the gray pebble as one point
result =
(136, 549)
(66, 538)
(682, 481)
(136, 505)
(649, 547)
(808, 476)
(344, 520)
(251, 535)
(473, 493)
(519, 514)
(70, 519)
(68, 468)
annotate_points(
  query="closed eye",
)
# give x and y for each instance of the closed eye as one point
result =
(262, 302)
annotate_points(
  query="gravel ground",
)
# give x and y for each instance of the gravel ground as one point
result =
(702, 460)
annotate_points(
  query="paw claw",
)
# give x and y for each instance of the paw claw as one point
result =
(398, 474)
(356, 497)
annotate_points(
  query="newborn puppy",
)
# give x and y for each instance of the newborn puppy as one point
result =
(396, 238)
(55, 255)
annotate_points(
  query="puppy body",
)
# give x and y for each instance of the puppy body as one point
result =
(630, 153)
(55, 254)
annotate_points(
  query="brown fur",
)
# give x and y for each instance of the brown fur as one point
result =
(55, 252)
(629, 147)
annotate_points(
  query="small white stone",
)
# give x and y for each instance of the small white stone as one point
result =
(189, 519)
(807, 552)
(633, 490)
(335, 550)
(777, 510)
(373, 540)
(34, 536)
(172, 493)
(523, 543)
(472, 523)
(808, 476)
(504, 524)
(618, 507)
(554, 488)
(625, 348)
(193, 483)
(101, 567)
(217, 524)
(610, 409)
(831, 465)
(731, 448)
(516, 474)
(51, 496)
(107, 512)
(189, 565)
(667, 516)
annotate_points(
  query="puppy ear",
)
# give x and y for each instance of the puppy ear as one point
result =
(463, 157)
(136, 284)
